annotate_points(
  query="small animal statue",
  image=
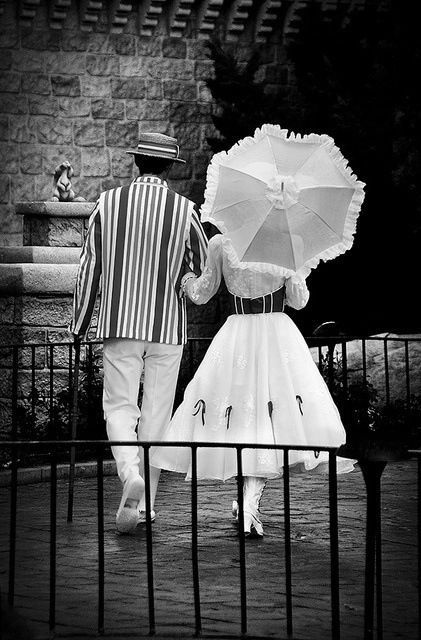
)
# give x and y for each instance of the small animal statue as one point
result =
(63, 191)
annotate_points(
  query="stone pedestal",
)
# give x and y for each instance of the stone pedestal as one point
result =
(37, 280)
(36, 290)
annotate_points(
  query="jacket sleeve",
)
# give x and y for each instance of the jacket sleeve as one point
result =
(196, 247)
(201, 289)
(88, 276)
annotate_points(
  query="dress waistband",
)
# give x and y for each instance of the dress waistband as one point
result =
(270, 303)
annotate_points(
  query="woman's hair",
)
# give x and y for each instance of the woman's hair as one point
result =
(151, 164)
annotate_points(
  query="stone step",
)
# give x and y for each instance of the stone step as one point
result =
(40, 255)
(45, 279)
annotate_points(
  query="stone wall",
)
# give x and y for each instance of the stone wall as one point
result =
(84, 96)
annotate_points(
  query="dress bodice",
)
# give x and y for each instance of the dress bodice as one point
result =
(244, 279)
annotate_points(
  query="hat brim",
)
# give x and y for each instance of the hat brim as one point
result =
(154, 155)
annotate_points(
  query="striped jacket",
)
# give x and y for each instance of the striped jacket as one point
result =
(141, 239)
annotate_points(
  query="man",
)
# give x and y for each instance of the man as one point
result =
(141, 239)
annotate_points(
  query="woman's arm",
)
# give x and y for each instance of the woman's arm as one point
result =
(201, 289)
(297, 294)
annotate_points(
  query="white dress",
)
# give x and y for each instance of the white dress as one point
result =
(257, 383)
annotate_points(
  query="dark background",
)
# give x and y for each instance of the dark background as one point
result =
(355, 77)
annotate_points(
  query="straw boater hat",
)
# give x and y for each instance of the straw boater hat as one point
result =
(157, 145)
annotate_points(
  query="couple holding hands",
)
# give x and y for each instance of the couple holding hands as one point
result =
(146, 252)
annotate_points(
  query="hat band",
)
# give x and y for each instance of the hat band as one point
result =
(170, 151)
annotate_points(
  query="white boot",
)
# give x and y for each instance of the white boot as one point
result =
(252, 492)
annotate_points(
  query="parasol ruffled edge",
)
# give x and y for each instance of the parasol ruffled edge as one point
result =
(337, 158)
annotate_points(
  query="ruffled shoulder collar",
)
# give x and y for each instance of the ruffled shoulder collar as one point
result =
(224, 243)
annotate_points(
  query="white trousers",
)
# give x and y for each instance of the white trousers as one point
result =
(124, 361)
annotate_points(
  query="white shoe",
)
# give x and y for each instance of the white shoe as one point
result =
(127, 514)
(235, 509)
(141, 516)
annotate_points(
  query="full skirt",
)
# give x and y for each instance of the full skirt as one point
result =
(257, 384)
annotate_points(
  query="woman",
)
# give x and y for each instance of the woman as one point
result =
(256, 384)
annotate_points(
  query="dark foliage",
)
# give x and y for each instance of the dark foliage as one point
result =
(372, 425)
(355, 79)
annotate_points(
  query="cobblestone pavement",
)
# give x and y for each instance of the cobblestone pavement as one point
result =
(126, 595)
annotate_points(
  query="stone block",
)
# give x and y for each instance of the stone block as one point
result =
(154, 90)
(21, 335)
(7, 310)
(44, 187)
(24, 60)
(20, 130)
(128, 88)
(87, 187)
(121, 134)
(62, 356)
(10, 82)
(106, 108)
(74, 107)
(102, 65)
(54, 155)
(89, 134)
(198, 49)
(121, 164)
(110, 183)
(41, 40)
(4, 128)
(11, 237)
(9, 39)
(95, 86)
(4, 188)
(188, 135)
(23, 188)
(53, 130)
(151, 47)
(75, 40)
(169, 68)
(147, 110)
(11, 226)
(204, 70)
(204, 94)
(186, 112)
(6, 60)
(38, 311)
(5, 378)
(13, 104)
(43, 106)
(163, 126)
(53, 232)
(174, 48)
(121, 44)
(42, 384)
(182, 91)
(65, 85)
(66, 63)
(95, 162)
(9, 158)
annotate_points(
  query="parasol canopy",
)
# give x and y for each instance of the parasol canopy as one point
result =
(289, 200)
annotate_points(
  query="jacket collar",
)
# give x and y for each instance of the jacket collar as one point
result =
(150, 179)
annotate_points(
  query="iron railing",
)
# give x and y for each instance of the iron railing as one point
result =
(55, 372)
